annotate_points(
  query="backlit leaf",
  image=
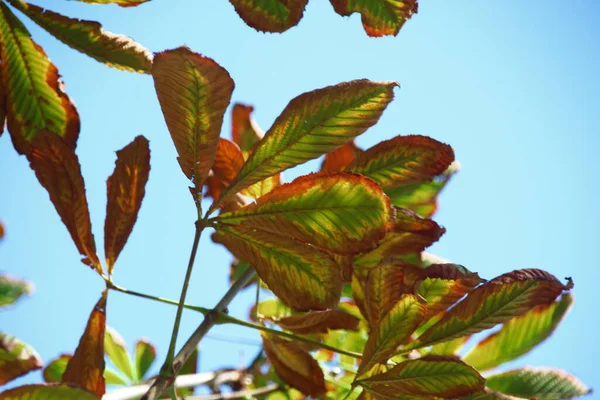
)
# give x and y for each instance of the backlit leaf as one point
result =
(383, 289)
(495, 302)
(379, 17)
(90, 38)
(227, 164)
(194, 92)
(519, 335)
(340, 158)
(57, 168)
(302, 276)
(294, 365)
(449, 348)
(271, 309)
(145, 354)
(404, 160)
(86, 368)
(319, 322)
(244, 131)
(313, 124)
(55, 369)
(112, 377)
(122, 3)
(2, 121)
(125, 189)
(11, 289)
(16, 358)
(115, 349)
(341, 212)
(35, 98)
(488, 394)
(538, 383)
(444, 377)
(270, 15)
(48, 392)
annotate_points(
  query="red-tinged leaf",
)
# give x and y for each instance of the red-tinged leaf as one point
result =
(294, 365)
(488, 394)
(394, 328)
(145, 354)
(54, 370)
(341, 212)
(340, 158)
(244, 130)
(122, 3)
(383, 289)
(194, 92)
(495, 302)
(313, 124)
(125, 189)
(2, 122)
(12, 289)
(319, 322)
(16, 358)
(48, 392)
(519, 335)
(431, 376)
(270, 15)
(379, 17)
(2, 230)
(35, 98)
(57, 168)
(404, 160)
(302, 276)
(538, 383)
(86, 368)
(90, 38)
(228, 162)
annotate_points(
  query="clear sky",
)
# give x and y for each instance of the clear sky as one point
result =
(512, 85)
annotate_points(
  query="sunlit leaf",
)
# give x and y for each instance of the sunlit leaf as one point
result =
(54, 370)
(16, 358)
(313, 124)
(115, 349)
(538, 383)
(86, 368)
(488, 394)
(271, 309)
(341, 212)
(90, 38)
(35, 98)
(57, 168)
(145, 354)
(112, 377)
(244, 130)
(122, 3)
(379, 17)
(495, 302)
(383, 288)
(48, 392)
(227, 164)
(294, 365)
(2, 121)
(319, 322)
(11, 289)
(340, 158)
(125, 189)
(449, 348)
(519, 335)
(194, 92)
(270, 15)
(302, 276)
(437, 376)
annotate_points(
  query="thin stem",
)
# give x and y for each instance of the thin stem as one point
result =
(257, 298)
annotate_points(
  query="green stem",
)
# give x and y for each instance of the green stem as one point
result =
(347, 396)
(121, 289)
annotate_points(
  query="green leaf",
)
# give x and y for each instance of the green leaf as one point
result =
(90, 38)
(54, 370)
(11, 289)
(114, 378)
(270, 309)
(48, 392)
(538, 383)
(519, 335)
(304, 277)
(122, 3)
(340, 212)
(444, 377)
(449, 348)
(270, 15)
(115, 349)
(194, 92)
(16, 358)
(379, 17)
(35, 97)
(488, 394)
(313, 124)
(145, 354)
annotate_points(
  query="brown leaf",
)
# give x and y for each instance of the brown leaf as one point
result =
(319, 322)
(228, 162)
(272, 15)
(16, 358)
(244, 131)
(2, 104)
(341, 157)
(383, 289)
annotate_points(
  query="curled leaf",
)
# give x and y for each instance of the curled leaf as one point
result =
(270, 15)
(379, 17)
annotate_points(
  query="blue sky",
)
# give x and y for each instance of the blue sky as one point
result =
(511, 85)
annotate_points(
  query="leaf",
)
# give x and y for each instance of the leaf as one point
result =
(404, 160)
(302, 276)
(340, 212)
(122, 3)
(379, 17)
(244, 130)
(270, 15)
(54, 370)
(294, 365)
(519, 335)
(125, 191)
(35, 98)
(90, 38)
(227, 164)
(11, 289)
(383, 289)
(538, 383)
(48, 392)
(444, 377)
(312, 124)
(194, 92)
(112, 377)
(16, 358)
(340, 158)
(145, 354)
(270, 309)
(2, 121)
(319, 322)
(488, 394)
(86, 368)
(115, 349)
(448, 348)
(57, 168)
(497, 301)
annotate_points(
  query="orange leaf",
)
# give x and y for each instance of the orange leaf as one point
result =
(86, 368)
(341, 157)
(228, 161)
(244, 131)
(319, 322)
(2, 104)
